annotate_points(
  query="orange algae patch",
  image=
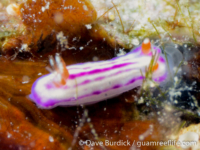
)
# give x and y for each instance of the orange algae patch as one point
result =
(69, 16)
(20, 132)
(53, 25)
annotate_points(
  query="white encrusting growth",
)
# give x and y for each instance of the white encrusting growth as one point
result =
(46, 6)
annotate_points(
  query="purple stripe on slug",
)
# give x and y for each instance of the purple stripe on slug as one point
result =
(96, 93)
(134, 79)
(99, 78)
(157, 49)
(116, 86)
(161, 59)
(162, 78)
(85, 82)
(96, 71)
(135, 50)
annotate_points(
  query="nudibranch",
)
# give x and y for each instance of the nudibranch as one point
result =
(91, 82)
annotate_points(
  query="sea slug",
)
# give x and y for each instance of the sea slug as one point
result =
(90, 82)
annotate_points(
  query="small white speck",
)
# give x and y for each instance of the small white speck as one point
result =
(43, 9)
(121, 52)
(88, 120)
(175, 79)
(185, 63)
(85, 8)
(175, 102)
(9, 135)
(25, 79)
(51, 139)
(24, 47)
(141, 137)
(88, 26)
(141, 100)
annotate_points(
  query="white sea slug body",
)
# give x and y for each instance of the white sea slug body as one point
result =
(91, 82)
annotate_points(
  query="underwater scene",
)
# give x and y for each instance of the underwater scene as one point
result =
(99, 74)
